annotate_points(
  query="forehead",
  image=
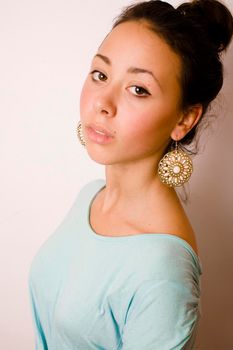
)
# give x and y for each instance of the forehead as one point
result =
(134, 43)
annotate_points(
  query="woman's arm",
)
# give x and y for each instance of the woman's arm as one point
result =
(39, 333)
(163, 315)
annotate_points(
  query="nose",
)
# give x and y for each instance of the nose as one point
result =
(105, 104)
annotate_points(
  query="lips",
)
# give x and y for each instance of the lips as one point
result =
(100, 129)
(98, 135)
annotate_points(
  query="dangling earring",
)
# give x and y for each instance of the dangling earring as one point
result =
(80, 134)
(175, 168)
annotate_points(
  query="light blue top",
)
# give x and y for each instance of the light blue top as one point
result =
(90, 291)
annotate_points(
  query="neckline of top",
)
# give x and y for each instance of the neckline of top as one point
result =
(126, 238)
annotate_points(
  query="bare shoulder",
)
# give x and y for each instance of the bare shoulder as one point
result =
(161, 214)
(170, 217)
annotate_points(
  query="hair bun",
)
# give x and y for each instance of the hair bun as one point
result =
(215, 17)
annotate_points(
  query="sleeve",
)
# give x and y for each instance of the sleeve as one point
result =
(39, 333)
(163, 315)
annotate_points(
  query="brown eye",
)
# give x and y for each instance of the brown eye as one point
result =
(98, 76)
(140, 91)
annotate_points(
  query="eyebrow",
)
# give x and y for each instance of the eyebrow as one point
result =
(134, 70)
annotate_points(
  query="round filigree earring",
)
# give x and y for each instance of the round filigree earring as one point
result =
(80, 134)
(175, 168)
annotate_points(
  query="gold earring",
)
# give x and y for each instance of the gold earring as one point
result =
(175, 168)
(80, 134)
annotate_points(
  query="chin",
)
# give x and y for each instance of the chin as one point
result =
(99, 157)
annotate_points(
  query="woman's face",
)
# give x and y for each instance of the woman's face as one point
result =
(133, 91)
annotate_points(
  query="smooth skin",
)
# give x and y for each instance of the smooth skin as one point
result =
(143, 111)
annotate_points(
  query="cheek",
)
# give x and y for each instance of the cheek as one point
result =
(84, 101)
(149, 125)
(147, 129)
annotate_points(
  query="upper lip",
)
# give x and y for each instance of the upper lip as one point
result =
(100, 128)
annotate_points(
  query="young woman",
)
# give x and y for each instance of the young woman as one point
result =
(122, 270)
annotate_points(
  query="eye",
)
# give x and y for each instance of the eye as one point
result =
(98, 76)
(140, 91)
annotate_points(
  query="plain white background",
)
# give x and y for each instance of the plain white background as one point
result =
(46, 48)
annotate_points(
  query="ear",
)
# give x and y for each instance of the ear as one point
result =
(186, 122)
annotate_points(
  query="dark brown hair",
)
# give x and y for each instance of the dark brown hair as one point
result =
(198, 31)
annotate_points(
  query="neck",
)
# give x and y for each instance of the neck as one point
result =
(132, 184)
